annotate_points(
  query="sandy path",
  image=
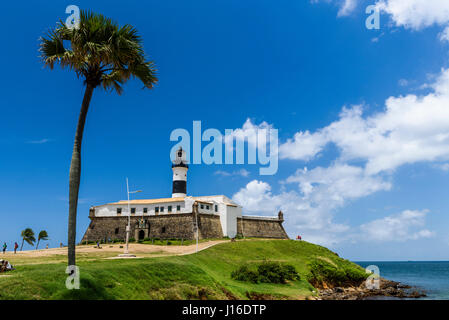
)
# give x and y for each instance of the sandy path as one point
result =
(134, 248)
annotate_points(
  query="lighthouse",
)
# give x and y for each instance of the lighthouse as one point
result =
(180, 168)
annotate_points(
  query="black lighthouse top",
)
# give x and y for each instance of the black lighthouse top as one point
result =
(180, 159)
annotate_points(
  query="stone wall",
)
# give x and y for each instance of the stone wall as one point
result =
(261, 228)
(209, 226)
(180, 226)
(167, 226)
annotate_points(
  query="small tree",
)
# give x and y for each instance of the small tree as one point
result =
(43, 235)
(28, 236)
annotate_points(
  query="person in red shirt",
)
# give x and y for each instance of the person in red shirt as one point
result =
(15, 247)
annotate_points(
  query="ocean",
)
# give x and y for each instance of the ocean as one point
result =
(431, 276)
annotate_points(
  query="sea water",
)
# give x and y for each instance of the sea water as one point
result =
(430, 276)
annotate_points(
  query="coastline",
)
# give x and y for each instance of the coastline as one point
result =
(388, 289)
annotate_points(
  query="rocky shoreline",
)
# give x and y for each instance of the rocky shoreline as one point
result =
(387, 288)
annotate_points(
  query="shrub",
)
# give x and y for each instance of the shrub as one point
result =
(268, 272)
(243, 273)
(324, 273)
(132, 240)
(271, 272)
(290, 272)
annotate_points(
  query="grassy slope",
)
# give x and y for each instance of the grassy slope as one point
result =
(202, 275)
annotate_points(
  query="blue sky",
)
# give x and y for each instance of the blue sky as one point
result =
(376, 182)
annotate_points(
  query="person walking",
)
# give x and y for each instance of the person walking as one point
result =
(16, 246)
(4, 247)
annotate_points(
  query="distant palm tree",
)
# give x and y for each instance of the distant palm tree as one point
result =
(103, 54)
(43, 235)
(28, 236)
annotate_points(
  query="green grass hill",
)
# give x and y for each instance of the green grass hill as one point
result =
(204, 275)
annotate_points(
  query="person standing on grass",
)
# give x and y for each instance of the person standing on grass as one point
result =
(16, 246)
(4, 247)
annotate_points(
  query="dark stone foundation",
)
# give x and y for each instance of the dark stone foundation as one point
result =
(167, 226)
(179, 226)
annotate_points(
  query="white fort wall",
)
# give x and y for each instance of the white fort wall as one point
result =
(110, 210)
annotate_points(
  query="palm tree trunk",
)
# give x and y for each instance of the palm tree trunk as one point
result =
(75, 174)
(21, 247)
(37, 245)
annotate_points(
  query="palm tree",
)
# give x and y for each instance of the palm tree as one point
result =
(43, 235)
(28, 236)
(102, 54)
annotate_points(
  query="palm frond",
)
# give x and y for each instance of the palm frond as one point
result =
(100, 51)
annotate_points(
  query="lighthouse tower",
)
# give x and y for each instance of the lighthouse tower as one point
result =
(180, 168)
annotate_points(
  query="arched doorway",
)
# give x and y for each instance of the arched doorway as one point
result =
(141, 235)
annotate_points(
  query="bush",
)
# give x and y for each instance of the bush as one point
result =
(324, 273)
(132, 240)
(290, 272)
(267, 272)
(271, 272)
(243, 273)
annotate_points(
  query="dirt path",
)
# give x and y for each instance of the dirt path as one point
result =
(143, 250)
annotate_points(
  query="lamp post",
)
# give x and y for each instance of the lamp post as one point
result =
(128, 227)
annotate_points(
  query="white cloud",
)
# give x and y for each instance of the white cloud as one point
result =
(442, 166)
(303, 146)
(301, 217)
(400, 227)
(444, 35)
(347, 7)
(410, 129)
(403, 82)
(248, 132)
(416, 14)
(337, 184)
(42, 141)
(309, 211)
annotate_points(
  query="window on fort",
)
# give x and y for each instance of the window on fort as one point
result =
(207, 207)
(163, 230)
(169, 208)
(119, 210)
(133, 210)
(162, 209)
(116, 230)
(145, 210)
(178, 208)
(92, 227)
(202, 206)
(216, 208)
